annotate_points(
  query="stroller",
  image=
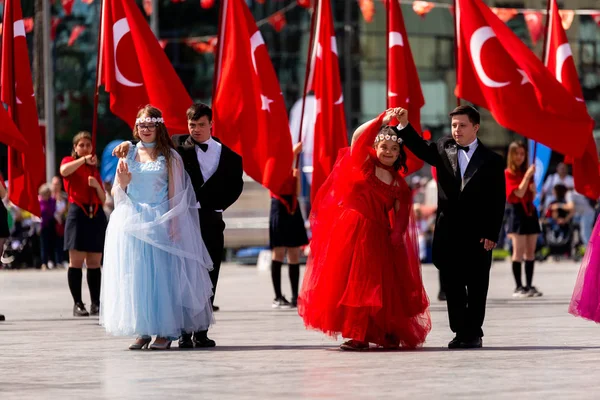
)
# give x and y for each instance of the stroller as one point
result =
(22, 248)
(560, 236)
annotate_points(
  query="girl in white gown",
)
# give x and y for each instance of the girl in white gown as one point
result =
(156, 265)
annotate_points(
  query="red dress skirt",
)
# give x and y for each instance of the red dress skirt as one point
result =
(363, 277)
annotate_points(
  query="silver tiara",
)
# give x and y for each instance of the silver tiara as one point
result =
(149, 119)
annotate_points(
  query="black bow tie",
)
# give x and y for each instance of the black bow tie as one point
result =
(459, 147)
(203, 146)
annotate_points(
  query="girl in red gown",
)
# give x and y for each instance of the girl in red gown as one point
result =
(363, 278)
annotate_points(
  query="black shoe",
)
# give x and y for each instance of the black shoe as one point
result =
(281, 302)
(2, 318)
(454, 343)
(215, 308)
(185, 341)
(95, 309)
(80, 311)
(294, 302)
(201, 340)
(476, 343)
(441, 295)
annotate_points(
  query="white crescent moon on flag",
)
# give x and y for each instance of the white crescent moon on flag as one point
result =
(480, 36)
(562, 53)
(395, 39)
(19, 28)
(255, 41)
(340, 100)
(120, 29)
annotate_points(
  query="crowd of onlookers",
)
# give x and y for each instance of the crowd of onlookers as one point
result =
(566, 217)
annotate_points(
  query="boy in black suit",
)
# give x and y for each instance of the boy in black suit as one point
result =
(471, 200)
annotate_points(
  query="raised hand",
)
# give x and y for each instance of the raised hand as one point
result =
(390, 114)
(401, 115)
(123, 174)
(91, 159)
(121, 150)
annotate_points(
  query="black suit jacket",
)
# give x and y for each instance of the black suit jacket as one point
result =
(469, 209)
(224, 187)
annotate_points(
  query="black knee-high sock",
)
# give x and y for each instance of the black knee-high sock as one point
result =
(516, 267)
(276, 277)
(94, 278)
(529, 271)
(294, 272)
(74, 276)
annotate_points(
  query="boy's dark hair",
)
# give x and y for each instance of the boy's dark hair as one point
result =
(469, 111)
(199, 110)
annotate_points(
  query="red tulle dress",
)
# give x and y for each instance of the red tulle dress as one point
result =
(363, 277)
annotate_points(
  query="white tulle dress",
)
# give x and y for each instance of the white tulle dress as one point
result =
(155, 279)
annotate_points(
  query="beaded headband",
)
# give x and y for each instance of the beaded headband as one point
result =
(149, 119)
(394, 138)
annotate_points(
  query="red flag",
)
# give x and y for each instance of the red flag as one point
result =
(330, 134)
(77, 30)
(559, 61)
(404, 86)
(67, 6)
(534, 25)
(26, 168)
(249, 110)
(496, 70)
(135, 69)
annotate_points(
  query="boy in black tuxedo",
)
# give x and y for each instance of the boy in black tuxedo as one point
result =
(216, 173)
(471, 200)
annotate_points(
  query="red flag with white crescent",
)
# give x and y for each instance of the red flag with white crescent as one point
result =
(404, 86)
(559, 61)
(135, 69)
(330, 134)
(496, 70)
(26, 166)
(249, 110)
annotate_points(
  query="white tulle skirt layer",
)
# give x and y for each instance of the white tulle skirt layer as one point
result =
(155, 279)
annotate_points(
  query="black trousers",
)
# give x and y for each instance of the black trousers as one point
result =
(466, 283)
(212, 227)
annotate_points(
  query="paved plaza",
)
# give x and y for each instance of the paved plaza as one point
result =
(533, 349)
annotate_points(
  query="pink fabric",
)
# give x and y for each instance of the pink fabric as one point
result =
(585, 302)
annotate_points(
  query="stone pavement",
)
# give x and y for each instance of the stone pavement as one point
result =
(533, 349)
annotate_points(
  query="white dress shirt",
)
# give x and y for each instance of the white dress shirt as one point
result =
(209, 159)
(464, 157)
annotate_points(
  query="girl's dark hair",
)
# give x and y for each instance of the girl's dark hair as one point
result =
(164, 144)
(400, 163)
(77, 138)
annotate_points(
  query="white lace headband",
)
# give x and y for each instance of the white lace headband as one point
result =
(148, 119)
(393, 138)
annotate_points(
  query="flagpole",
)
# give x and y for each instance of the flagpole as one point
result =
(456, 19)
(98, 76)
(223, 4)
(544, 56)
(387, 50)
(48, 95)
(307, 74)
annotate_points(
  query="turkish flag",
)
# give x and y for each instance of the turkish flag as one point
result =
(249, 111)
(496, 70)
(26, 166)
(135, 69)
(404, 86)
(559, 61)
(330, 134)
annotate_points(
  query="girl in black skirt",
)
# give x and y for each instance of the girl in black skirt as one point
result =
(85, 225)
(522, 217)
(286, 234)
